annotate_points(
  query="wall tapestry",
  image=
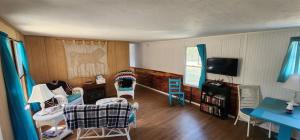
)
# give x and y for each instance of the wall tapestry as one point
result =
(86, 59)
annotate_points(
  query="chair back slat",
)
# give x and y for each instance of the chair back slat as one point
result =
(175, 88)
(174, 85)
(249, 96)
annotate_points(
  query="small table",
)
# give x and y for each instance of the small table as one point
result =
(52, 119)
(273, 110)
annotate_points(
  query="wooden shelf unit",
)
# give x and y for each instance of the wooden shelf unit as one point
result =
(215, 100)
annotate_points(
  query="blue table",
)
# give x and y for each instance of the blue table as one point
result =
(273, 110)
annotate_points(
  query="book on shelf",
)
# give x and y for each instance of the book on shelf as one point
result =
(211, 109)
(218, 100)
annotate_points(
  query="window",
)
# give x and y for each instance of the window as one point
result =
(192, 67)
(291, 62)
(19, 65)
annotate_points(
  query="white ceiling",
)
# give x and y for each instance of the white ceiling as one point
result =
(141, 20)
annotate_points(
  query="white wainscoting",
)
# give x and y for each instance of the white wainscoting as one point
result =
(261, 54)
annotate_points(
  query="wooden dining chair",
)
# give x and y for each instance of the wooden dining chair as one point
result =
(175, 90)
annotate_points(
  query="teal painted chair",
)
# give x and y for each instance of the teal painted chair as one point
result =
(175, 90)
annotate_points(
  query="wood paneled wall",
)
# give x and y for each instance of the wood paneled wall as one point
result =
(48, 62)
(159, 81)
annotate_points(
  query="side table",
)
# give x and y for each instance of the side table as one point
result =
(93, 92)
(52, 119)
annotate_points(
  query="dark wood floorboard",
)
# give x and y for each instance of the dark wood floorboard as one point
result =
(156, 120)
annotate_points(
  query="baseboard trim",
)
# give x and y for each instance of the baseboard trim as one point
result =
(166, 94)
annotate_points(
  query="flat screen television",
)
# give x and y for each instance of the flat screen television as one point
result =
(223, 66)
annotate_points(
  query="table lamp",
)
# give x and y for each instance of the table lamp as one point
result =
(293, 83)
(40, 93)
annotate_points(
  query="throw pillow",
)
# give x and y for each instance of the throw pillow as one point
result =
(59, 91)
(125, 83)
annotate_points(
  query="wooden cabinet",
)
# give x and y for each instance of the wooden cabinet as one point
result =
(93, 92)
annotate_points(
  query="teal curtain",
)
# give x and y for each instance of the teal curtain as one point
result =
(202, 53)
(21, 54)
(291, 62)
(22, 124)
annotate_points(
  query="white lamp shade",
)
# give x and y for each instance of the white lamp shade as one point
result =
(40, 93)
(293, 83)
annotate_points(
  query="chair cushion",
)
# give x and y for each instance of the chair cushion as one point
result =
(125, 89)
(131, 117)
(73, 97)
(247, 110)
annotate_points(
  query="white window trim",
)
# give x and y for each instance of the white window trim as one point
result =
(185, 65)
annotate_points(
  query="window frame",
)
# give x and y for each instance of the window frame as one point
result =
(185, 67)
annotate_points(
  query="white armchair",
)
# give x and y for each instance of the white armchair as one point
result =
(78, 100)
(63, 100)
(73, 95)
(125, 91)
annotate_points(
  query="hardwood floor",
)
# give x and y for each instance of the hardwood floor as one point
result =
(156, 120)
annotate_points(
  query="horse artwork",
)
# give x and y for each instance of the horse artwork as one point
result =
(86, 60)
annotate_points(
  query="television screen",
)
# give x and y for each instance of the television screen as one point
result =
(223, 66)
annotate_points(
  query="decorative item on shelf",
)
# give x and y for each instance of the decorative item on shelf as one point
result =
(218, 82)
(100, 79)
(293, 83)
(53, 132)
(41, 94)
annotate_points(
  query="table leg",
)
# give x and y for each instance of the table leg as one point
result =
(191, 94)
(40, 133)
(56, 133)
(285, 133)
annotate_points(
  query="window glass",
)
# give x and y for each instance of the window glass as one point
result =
(192, 67)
